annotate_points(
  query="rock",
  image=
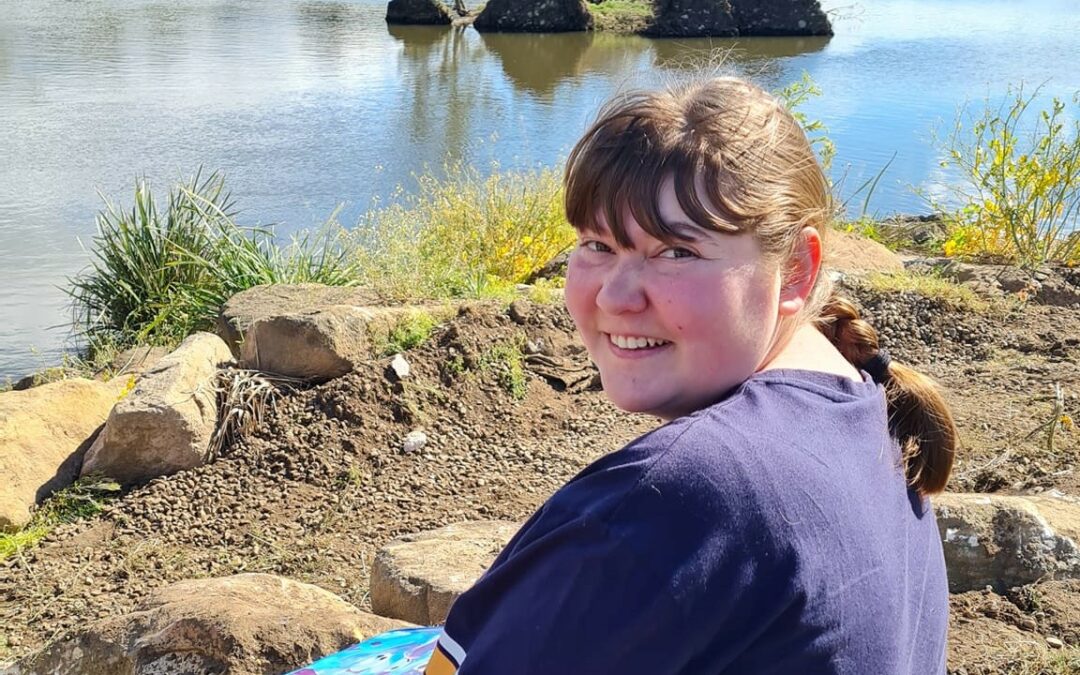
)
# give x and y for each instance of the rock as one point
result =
(44, 433)
(1054, 642)
(556, 267)
(1055, 290)
(317, 344)
(417, 577)
(164, 425)
(399, 368)
(519, 312)
(244, 308)
(847, 252)
(1005, 541)
(414, 441)
(423, 12)
(307, 331)
(248, 623)
(780, 17)
(534, 16)
(693, 18)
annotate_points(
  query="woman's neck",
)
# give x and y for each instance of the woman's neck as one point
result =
(808, 349)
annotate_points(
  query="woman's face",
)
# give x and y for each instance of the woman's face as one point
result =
(672, 328)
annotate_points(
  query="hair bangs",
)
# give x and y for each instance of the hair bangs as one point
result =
(620, 167)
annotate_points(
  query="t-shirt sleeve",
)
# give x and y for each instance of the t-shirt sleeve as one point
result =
(576, 600)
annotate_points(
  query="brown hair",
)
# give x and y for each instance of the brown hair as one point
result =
(760, 176)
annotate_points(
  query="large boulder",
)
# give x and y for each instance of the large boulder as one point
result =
(248, 306)
(44, 433)
(534, 16)
(165, 424)
(243, 624)
(781, 17)
(1005, 541)
(309, 331)
(418, 577)
(693, 18)
(422, 12)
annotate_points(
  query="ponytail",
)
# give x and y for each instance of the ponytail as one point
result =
(919, 418)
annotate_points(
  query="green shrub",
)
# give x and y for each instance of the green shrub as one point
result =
(1020, 196)
(466, 235)
(157, 276)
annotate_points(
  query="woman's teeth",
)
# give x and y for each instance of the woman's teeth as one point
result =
(632, 342)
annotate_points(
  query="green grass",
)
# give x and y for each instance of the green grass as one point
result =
(84, 499)
(412, 330)
(507, 362)
(952, 294)
(622, 16)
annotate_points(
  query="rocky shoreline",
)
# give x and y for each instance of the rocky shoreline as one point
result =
(479, 421)
(660, 18)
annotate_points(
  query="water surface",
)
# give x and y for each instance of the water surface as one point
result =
(310, 105)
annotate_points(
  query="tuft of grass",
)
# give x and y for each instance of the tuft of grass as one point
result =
(83, 499)
(547, 291)
(411, 330)
(952, 294)
(161, 271)
(507, 361)
(464, 236)
(245, 398)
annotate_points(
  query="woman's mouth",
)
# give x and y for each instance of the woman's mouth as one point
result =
(636, 342)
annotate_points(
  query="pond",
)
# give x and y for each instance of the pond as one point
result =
(308, 106)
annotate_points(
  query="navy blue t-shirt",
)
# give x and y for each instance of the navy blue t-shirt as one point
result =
(772, 532)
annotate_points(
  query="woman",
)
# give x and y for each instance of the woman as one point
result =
(778, 521)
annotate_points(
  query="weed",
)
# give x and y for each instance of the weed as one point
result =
(952, 294)
(865, 227)
(547, 291)
(507, 361)
(1020, 196)
(411, 330)
(455, 365)
(466, 235)
(83, 499)
(793, 96)
(1059, 420)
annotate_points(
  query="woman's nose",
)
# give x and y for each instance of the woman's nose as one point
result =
(622, 290)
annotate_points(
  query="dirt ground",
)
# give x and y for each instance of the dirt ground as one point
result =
(325, 481)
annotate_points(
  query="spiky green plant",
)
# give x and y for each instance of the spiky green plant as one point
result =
(158, 274)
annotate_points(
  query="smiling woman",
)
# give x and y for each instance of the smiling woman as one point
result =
(779, 520)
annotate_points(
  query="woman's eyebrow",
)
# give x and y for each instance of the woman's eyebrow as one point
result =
(683, 230)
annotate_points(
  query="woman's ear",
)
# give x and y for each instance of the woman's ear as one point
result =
(800, 272)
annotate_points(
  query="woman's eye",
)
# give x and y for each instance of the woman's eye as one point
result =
(677, 252)
(596, 246)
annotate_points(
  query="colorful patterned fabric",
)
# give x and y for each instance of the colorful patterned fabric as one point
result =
(399, 652)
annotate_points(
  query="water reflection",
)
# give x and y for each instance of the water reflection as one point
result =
(443, 66)
(538, 63)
